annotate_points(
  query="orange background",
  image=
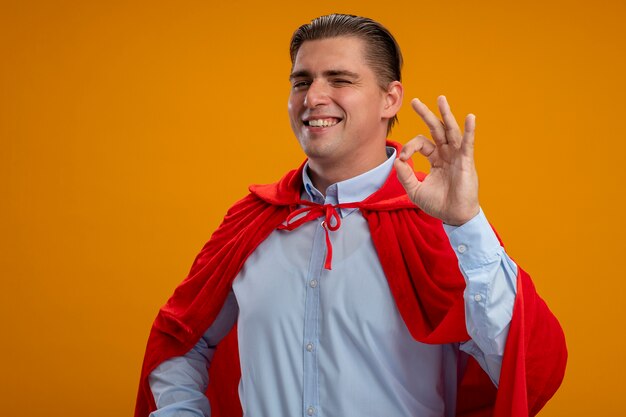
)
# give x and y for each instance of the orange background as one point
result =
(128, 128)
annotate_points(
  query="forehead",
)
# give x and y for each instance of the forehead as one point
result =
(344, 51)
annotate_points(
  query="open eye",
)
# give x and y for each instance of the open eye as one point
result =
(300, 84)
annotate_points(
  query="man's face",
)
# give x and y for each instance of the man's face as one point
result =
(337, 109)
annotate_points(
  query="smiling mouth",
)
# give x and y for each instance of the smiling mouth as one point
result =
(328, 122)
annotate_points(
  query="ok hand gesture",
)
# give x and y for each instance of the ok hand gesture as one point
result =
(450, 191)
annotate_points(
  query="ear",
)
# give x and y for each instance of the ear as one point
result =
(393, 99)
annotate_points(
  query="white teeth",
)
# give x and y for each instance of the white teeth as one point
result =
(322, 122)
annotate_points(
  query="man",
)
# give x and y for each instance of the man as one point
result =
(349, 294)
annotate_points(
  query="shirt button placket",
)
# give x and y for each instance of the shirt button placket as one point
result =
(310, 341)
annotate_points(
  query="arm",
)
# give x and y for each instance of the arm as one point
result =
(490, 276)
(450, 193)
(179, 384)
(534, 360)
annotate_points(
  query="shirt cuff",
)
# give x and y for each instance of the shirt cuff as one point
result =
(475, 243)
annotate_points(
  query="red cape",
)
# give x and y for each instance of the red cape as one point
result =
(423, 275)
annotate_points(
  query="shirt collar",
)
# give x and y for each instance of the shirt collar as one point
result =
(353, 189)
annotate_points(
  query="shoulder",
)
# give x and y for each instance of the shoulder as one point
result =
(286, 191)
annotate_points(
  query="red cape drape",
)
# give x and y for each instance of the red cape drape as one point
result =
(422, 271)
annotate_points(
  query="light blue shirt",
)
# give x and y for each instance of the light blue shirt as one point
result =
(317, 342)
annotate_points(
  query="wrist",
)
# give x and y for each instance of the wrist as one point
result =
(461, 220)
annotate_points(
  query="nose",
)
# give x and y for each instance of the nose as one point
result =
(317, 94)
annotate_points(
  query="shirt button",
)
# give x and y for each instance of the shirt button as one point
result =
(309, 347)
(461, 248)
(310, 411)
(313, 283)
(478, 297)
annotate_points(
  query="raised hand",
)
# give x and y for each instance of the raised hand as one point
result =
(450, 191)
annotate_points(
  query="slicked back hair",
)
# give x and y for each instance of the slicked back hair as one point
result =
(382, 52)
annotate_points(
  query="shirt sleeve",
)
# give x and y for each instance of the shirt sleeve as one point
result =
(490, 277)
(179, 384)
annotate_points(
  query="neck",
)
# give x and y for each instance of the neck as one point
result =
(324, 175)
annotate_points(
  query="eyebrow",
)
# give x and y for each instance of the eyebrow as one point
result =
(328, 73)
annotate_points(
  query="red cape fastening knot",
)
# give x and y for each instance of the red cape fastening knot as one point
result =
(312, 211)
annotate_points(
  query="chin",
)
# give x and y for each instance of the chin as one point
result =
(319, 149)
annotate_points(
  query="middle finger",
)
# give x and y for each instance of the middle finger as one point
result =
(434, 124)
(453, 133)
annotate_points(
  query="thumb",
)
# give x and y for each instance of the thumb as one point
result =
(406, 176)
